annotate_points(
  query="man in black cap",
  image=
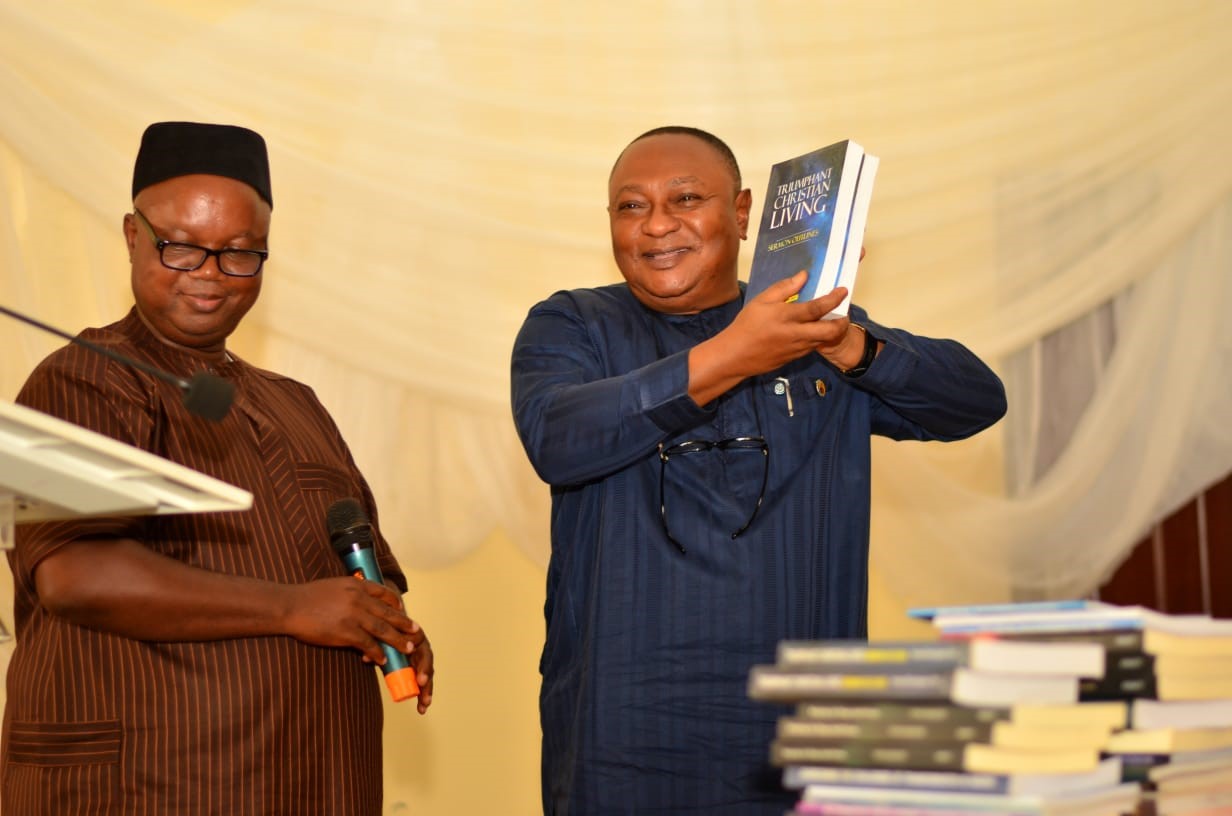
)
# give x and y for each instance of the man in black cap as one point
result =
(204, 663)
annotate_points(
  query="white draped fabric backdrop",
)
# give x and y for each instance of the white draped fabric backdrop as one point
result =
(1055, 191)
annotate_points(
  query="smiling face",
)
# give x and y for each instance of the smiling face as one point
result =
(198, 309)
(677, 221)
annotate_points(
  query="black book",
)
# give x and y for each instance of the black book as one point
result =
(935, 755)
(1109, 715)
(861, 711)
(959, 685)
(1161, 677)
(1114, 641)
(1106, 775)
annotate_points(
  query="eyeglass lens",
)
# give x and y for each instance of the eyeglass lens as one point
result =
(239, 263)
(187, 257)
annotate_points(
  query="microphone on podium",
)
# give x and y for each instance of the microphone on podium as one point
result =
(206, 395)
(350, 534)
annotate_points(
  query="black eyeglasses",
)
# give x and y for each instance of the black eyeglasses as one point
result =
(738, 443)
(238, 263)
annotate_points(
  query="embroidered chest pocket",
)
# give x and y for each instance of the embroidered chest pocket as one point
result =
(319, 487)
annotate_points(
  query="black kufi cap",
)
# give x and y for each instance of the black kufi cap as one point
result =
(171, 149)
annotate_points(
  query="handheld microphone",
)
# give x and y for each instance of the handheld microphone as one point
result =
(206, 395)
(350, 534)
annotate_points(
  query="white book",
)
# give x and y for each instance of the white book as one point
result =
(1106, 775)
(1118, 798)
(1094, 619)
(1147, 714)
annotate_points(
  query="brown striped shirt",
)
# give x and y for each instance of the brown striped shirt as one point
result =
(98, 723)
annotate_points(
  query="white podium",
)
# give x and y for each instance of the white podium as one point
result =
(52, 469)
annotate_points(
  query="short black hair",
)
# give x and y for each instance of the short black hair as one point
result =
(725, 152)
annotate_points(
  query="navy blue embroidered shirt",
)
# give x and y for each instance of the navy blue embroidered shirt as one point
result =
(644, 703)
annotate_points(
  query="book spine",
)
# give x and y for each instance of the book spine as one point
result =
(931, 756)
(999, 625)
(1137, 767)
(886, 712)
(796, 777)
(774, 683)
(930, 612)
(863, 809)
(994, 689)
(854, 242)
(827, 274)
(1120, 685)
(1128, 663)
(1114, 641)
(792, 728)
(873, 655)
(1148, 713)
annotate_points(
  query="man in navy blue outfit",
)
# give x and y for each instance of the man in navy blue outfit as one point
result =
(709, 467)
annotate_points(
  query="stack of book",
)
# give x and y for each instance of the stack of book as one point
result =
(981, 726)
(1174, 672)
(1196, 783)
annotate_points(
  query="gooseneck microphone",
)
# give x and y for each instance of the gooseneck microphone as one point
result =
(206, 395)
(350, 534)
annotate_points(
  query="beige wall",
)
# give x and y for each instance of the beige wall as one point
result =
(477, 749)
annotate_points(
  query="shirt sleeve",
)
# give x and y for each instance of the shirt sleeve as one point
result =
(928, 389)
(577, 420)
(92, 394)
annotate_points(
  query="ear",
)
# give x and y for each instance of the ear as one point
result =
(744, 202)
(130, 234)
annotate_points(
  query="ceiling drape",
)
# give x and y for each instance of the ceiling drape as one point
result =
(439, 168)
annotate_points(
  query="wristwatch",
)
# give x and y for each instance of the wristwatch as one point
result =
(870, 353)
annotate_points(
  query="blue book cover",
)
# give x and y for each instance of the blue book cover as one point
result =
(813, 219)
(1188, 633)
(930, 612)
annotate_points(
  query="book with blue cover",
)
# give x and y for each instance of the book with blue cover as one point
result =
(1069, 604)
(1213, 633)
(813, 219)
